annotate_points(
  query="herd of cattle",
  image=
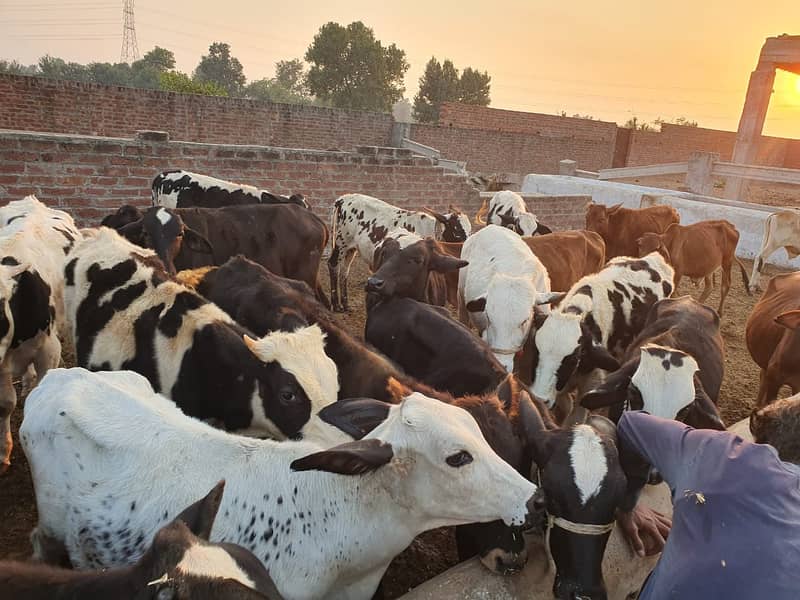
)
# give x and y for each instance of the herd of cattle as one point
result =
(207, 350)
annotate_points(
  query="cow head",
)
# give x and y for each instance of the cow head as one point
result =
(564, 346)
(662, 382)
(525, 224)
(404, 272)
(777, 424)
(583, 484)
(653, 242)
(124, 215)
(456, 225)
(163, 230)
(597, 216)
(270, 198)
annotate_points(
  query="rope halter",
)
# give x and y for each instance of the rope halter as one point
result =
(579, 528)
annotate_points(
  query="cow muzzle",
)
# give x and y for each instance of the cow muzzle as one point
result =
(536, 518)
(375, 284)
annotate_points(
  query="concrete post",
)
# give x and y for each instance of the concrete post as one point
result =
(698, 177)
(399, 131)
(567, 167)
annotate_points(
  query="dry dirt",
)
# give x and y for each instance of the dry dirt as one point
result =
(433, 552)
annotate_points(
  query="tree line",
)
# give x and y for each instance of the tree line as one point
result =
(343, 67)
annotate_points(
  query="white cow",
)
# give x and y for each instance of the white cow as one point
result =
(500, 288)
(326, 523)
(508, 209)
(33, 242)
(781, 230)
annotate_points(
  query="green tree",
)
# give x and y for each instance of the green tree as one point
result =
(58, 68)
(110, 74)
(12, 67)
(352, 69)
(635, 123)
(271, 90)
(290, 74)
(158, 58)
(474, 87)
(175, 81)
(439, 83)
(221, 68)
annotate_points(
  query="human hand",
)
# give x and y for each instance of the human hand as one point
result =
(645, 529)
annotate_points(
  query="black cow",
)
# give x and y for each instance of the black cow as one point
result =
(183, 189)
(165, 571)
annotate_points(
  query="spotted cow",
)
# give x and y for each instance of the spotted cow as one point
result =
(359, 223)
(183, 189)
(508, 209)
(125, 312)
(33, 242)
(594, 325)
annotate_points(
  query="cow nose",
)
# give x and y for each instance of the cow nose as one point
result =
(536, 516)
(375, 284)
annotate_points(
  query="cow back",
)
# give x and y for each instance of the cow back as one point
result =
(568, 256)
(626, 225)
(763, 335)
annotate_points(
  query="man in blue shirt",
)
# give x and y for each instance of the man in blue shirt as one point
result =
(736, 507)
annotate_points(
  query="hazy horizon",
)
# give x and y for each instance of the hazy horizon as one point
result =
(687, 59)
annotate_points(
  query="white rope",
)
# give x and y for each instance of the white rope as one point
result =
(580, 528)
(502, 351)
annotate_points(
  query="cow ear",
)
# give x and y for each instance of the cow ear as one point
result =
(597, 357)
(613, 390)
(355, 416)
(455, 210)
(543, 229)
(507, 391)
(352, 458)
(534, 430)
(549, 297)
(196, 242)
(438, 216)
(132, 231)
(702, 413)
(444, 263)
(539, 317)
(477, 305)
(790, 319)
(199, 517)
(396, 390)
(603, 425)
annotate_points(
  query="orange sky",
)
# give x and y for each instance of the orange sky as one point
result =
(610, 60)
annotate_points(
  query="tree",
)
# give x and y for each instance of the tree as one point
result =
(474, 87)
(110, 74)
(635, 124)
(352, 69)
(158, 58)
(290, 75)
(12, 67)
(271, 90)
(439, 83)
(219, 67)
(175, 81)
(58, 68)
(679, 121)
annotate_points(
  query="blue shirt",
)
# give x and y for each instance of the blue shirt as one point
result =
(736, 520)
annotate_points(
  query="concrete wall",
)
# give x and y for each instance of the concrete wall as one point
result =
(748, 218)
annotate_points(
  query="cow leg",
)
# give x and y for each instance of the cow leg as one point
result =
(49, 550)
(349, 259)
(724, 286)
(8, 401)
(333, 272)
(770, 385)
(48, 357)
(676, 282)
(708, 284)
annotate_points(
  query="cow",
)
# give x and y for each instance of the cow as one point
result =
(781, 230)
(360, 222)
(425, 465)
(33, 242)
(568, 255)
(500, 290)
(673, 369)
(772, 337)
(508, 209)
(125, 312)
(621, 227)
(432, 347)
(179, 564)
(183, 189)
(697, 251)
(286, 239)
(593, 326)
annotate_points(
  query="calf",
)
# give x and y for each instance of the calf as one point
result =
(500, 289)
(426, 465)
(125, 312)
(621, 227)
(594, 325)
(781, 230)
(182, 189)
(359, 223)
(180, 564)
(697, 251)
(772, 337)
(33, 242)
(508, 209)
(432, 347)
(659, 371)
(285, 239)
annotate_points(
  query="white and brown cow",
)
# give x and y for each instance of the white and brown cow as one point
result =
(508, 209)
(359, 223)
(781, 230)
(33, 242)
(183, 189)
(594, 325)
(125, 312)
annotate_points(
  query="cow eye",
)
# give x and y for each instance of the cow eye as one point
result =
(287, 396)
(459, 459)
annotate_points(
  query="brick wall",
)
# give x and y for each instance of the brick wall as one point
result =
(92, 176)
(559, 212)
(37, 104)
(792, 158)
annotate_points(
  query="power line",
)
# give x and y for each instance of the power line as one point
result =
(130, 49)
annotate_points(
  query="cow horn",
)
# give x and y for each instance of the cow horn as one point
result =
(480, 216)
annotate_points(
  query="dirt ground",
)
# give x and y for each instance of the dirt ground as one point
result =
(433, 552)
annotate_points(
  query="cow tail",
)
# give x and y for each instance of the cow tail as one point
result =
(745, 277)
(154, 191)
(334, 220)
(480, 216)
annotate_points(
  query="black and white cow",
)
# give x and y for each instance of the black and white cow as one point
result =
(326, 521)
(594, 325)
(183, 189)
(359, 223)
(508, 209)
(125, 312)
(33, 242)
(673, 369)
(180, 564)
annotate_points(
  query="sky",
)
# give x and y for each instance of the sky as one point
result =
(683, 58)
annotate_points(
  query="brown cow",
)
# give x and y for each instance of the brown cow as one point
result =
(697, 251)
(568, 255)
(772, 337)
(621, 227)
